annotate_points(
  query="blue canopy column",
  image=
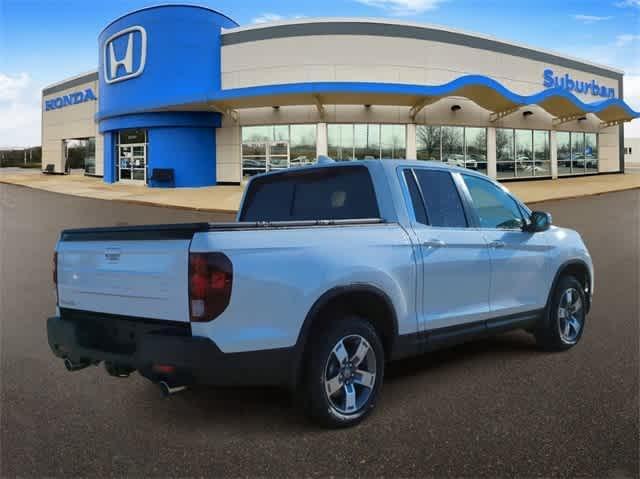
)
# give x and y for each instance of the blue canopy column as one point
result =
(182, 141)
(154, 63)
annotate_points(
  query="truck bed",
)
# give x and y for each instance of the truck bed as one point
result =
(185, 231)
(142, 271)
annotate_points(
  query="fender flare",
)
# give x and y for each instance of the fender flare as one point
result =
(323, 300)
(559, 272)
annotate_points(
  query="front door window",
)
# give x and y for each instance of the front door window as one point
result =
(495, 209)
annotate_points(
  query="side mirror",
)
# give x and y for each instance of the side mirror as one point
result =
(539, 221)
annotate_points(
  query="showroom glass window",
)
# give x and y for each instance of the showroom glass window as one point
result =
(460, 146)
(273, 147)
(80, 154)
(542, 153)
(90, 158)
(475, 141)
(563, 141)
(453, 145)
(366, 141)
(522, 153)
(577, 153)
(505, 156)
(428, 143)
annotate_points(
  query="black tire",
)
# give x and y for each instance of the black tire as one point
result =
(335, 410)
(551, 334)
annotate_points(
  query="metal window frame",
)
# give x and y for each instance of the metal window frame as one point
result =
(145, 156)
(353, 132)
(269, 144)
(584, 152)
(533, 155)
(464, 139)
(144, 144)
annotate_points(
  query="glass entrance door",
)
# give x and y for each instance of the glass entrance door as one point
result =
(132, 162)
(132, 156)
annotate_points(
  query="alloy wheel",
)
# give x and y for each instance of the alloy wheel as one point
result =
(350, 374)
(570, 316)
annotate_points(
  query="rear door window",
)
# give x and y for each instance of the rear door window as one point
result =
(336, 193)
(416, 198)
(441, 199)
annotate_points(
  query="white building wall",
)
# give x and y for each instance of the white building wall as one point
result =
(381, 59)
(69, 122)
(632, 158)
(362, 58)
(228, 154)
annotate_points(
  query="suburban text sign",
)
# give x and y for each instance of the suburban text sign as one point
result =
(567, 83)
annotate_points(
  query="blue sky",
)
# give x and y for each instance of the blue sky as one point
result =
(43, 41)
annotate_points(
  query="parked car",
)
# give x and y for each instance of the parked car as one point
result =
(479, 161)
(459, 160)
(505, 164)
(331, 271)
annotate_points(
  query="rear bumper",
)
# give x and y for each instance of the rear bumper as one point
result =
(139, 344)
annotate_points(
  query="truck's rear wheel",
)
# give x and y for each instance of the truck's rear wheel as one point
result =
(345, 372)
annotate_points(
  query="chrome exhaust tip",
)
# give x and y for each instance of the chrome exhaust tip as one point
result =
(71, 366)
(167, 390)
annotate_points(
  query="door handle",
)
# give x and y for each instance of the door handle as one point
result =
(497, 244)
(434, 243)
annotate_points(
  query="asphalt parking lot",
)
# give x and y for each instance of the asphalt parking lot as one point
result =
(496, 408)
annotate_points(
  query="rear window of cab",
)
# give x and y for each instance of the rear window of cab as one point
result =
(335, 193)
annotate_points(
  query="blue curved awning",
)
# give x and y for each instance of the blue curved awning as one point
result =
(482, 90)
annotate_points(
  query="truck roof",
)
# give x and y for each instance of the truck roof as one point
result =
(376, 163)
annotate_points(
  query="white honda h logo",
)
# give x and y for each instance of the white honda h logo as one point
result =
(123, 67)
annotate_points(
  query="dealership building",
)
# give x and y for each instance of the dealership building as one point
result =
(183, 97)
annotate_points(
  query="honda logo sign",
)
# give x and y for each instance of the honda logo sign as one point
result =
(125, 54)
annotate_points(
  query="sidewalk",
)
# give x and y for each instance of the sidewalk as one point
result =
(215, 198)
(565, 188)
(226, 199)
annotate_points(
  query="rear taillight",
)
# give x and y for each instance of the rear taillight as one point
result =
(55, 274)
(210, 280)
(55, 268)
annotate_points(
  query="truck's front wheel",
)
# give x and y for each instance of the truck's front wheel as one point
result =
(345, 372)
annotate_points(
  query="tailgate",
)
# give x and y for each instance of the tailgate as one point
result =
(134, 278)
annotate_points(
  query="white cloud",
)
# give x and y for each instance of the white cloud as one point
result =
(628, 3)
(625, 39)
(589, 19)
(267, 18)
(403, 7)
(273, 17)
(19, 110)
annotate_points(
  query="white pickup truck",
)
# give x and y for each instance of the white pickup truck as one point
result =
(331, 271)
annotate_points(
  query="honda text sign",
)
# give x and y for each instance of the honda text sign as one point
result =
(125, 54)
